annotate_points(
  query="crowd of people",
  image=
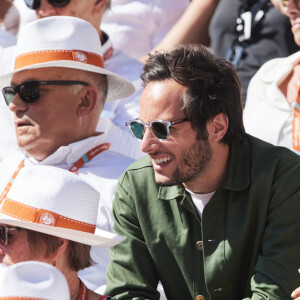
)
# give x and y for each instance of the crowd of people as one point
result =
(149, 149)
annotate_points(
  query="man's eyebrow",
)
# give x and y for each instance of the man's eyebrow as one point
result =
(27, 80)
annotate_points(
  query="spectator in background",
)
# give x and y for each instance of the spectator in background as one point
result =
(137, 26)
(134, 26)
(272, 111)
(9, 24)
(26, 14)
(220, 24)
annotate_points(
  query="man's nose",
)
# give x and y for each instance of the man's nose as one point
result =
(149, 143)
(46, 10)
(17, 104)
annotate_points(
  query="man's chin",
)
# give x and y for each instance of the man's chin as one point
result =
(165, 181)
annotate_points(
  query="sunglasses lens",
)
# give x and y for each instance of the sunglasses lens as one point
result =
(159, 130)
(2, 235)
(29, 91)
(9, 94)
(33, 4)
(137, 129)
(59, 3)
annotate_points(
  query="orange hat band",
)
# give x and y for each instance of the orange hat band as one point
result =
(28, 213)
(37, 57)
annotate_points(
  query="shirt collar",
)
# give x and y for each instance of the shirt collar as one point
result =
(71, 153)
(280, 68)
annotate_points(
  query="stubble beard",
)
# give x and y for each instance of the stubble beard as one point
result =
(192, 164)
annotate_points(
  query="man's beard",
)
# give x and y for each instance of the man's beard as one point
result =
(191, 165)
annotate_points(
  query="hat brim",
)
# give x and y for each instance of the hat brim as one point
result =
(101, 238)
(118, 87)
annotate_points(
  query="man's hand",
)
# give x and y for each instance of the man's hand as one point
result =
(296, 292)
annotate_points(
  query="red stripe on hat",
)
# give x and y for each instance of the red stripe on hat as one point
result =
(32, 214)
(37, 57)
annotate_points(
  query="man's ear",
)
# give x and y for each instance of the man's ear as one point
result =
(61, 249)
(218, 127)
(99, 6)
(88, 101)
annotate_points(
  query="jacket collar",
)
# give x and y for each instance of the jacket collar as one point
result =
(239, 165)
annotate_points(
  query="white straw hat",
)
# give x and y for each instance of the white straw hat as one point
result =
(68, 42)
(56, 202)
(33, 280)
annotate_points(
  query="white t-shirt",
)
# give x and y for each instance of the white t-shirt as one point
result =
(200, 200)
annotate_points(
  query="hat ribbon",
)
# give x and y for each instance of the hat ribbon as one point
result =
(38, 57)
(32, 214)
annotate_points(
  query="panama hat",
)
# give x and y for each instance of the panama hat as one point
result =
(33, 280)
(67, 42)
(56, 202)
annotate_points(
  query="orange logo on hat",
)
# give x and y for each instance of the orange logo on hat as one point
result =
(47, 219)
(80, 56)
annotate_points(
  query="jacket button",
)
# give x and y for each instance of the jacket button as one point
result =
(200, 297)
(199, 247)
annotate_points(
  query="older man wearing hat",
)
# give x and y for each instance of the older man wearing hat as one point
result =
(56, 93)
(114, 115)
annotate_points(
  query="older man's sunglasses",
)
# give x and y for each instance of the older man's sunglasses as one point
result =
(160, 128)
(29, 91)
(4, 233)
(35, 4)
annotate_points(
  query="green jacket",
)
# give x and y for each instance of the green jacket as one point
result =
(250, 231)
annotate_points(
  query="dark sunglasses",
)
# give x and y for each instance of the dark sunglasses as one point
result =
(29, 91)
(159, 128)
(4, 233)
(35, 4)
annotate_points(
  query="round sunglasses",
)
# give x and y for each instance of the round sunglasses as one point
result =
(29, 91)
(160, 128)
(35, 4)
(4, 236)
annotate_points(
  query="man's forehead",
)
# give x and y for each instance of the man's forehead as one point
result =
(53, 73)
(162, 100)
(167, 91)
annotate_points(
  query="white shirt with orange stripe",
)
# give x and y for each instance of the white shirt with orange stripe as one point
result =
(102, 172)
(267, 114)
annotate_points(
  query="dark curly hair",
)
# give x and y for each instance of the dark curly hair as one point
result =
(212, 84)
